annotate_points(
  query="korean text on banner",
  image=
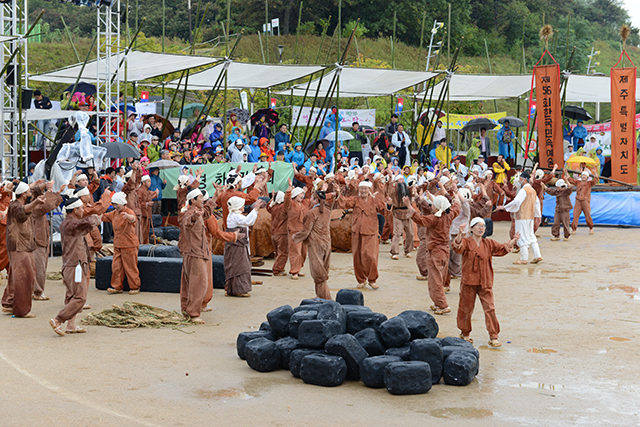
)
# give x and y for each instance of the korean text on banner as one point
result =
(550, 147)
(623, 125)
(217, 173)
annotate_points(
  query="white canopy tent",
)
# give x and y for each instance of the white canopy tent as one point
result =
(34, 114)
(247, 76)
(364, 82)
(140, 66)
(482, 88)
(592, 89)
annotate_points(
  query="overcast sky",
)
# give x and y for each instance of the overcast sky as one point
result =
(633, 6)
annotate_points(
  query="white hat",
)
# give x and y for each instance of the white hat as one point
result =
(205, 195)
(260, 169)
(236, 204)
(470, 186)
(278, 199)
(119, 198)
(441, 204)
(351, 174)
(81, 177)
(74, 205)
(296, 192)
(561, 183)
(466, 194)
(376, 158)
(475, 221)
(145, 178)
(21, 188)
(329, 176)
(182, 182)
(539, 173)
(378, 175)
(430, 176)
(68, 192)
(398, 177)
(317, 183)
(585, 172)
(193, 194)
(343, 169)
(127, 175)
(444, 180)
(84, 191)
(313, 169)
(366, 184)
(488, 172)
(411, 181)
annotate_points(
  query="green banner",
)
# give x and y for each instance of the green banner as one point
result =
(282, 172)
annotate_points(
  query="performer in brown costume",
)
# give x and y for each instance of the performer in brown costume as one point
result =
(234, 189)
(20, 246)
(125, 246)
(563, 209)
(5, 198)
(145, 198)
(296, 206)
(365, 245)
(130, 188)
(41, 234)
(438, 226)
(237, 259)
(477, 278)
(583, 198)
(316, 234)
(401, 219)
(75, 251)
(279, 233)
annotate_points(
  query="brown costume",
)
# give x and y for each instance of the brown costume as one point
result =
(196, 255)
(295, 217)
(20, 247)
(583, 200)
(563, 209)
(249, 199)
(477, 279)
(75, 250)
(365, 245)
(401, 222)
(423, 251)
(133, 203)
(438, 251)
(125, 249)
(214, 232)
(181, 193)
(94, 238)
(5, 199)
(279, 236)
(144, 197)
(41, 235)
(316, 235)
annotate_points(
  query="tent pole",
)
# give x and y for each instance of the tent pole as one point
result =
(295, 49)
(313, 105)
(70, 39)
(261, 49)
(424, 16)
(393, 41)
(266, 9)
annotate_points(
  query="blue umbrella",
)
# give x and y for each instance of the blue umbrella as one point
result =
(86, 88)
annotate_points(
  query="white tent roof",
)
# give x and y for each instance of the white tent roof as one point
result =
(592, 89)
(363, 82)
(34, 114)
(480, 88)
(140, 66)
(245, 76)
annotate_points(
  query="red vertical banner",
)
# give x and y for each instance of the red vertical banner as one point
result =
(550, 147)
(623, 125)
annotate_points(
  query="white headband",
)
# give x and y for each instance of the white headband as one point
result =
(81, 177)
(236, 204)
(329, 175)
(441, 204)
(21, 188)
(278, 199)
(74, 205)
(296, 192)
(365, 184)
(313, 169)
(193, 194)
(561, 183)
(182, 182)
(119, 198)
(475, 221)
(145, 178)
(83, 192)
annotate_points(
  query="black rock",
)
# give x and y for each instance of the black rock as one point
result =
(360, 320)
(313, 301)
(171, 233)
(460, 368)
(265, 326)
(350, 296)
(295, 359)
(262, 355)
(420, 323)
(331, 310)
(159, 251)
(446, 351)
(307, 307)
(407, 377)
(279, 320)
(219, 278)
(428, 350)
(245, 337)
(286, 346)
(455, 341)
(403, 352)
(347, 347)
(316, 333)
(370, 341)
(157, 220)
(159, 231)
(372, 370)
(351, 308)
(299, 317)
(394, 332)
(323, 369)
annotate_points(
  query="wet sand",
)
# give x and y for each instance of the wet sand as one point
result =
(570, 329)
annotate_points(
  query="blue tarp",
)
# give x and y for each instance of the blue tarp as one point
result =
(607, 208)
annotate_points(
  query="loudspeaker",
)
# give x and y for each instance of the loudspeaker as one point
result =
(10, 80)
(27, 94)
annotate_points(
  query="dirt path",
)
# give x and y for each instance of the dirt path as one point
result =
(570, 329)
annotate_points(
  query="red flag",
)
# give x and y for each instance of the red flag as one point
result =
(549, 118)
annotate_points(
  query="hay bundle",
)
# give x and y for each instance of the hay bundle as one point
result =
(546, 33)
(133, 315)
(625, 32)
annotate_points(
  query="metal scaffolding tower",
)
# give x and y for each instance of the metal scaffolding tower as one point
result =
(109, 57)
(13, 134)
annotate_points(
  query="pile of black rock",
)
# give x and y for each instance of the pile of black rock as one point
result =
(327, 342)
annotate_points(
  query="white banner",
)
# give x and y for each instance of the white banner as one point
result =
(275, 23)
(143, 108)
(363, 117)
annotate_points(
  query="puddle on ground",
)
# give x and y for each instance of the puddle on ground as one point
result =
(619, 339)
(618, 267)
(542, 350)
(224, 394)
(540, 386)
(468, 413)
(631, 291)
(538, 270)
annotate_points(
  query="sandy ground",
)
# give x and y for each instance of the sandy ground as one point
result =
(569, 327)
